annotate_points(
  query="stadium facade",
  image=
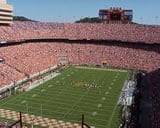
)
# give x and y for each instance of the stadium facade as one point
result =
(6, 12)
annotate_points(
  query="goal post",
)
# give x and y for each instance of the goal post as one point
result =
(84, 125)
(18, 123)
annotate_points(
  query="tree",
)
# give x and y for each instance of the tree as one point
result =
(89, 20)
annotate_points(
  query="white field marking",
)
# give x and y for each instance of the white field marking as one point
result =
(103, 98)
(43, 90)
(114, 80)
(113, 112)
(50, 86)
(75, 104)
(107, 93)
(99, 91)
(71, 93)
(99, 105)
(109, 87)
(85, 102)
(88, 100)
(111, 118)
(91, 98)
(81, 67)
(35, 84)
(61, 91)
(34, 95)
(23, 102)
(94, 113)
(63, 103)
(105, 111)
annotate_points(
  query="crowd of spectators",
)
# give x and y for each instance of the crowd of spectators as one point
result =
(8, 75)
(28, 58)
(24, 60)
(79, 31)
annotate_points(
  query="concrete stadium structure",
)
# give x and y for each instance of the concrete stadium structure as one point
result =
(6, 12)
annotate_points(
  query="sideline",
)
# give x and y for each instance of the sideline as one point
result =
(105, 69)
(43, 80)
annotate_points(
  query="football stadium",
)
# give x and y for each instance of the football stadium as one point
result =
(79, 75)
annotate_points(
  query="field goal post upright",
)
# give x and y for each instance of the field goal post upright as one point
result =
(84, 124)
(18, 123)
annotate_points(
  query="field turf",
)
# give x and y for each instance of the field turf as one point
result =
(76, 91)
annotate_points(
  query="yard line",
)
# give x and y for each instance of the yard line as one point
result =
(31, 107)
(76, 103)
(104, 69)
(112, 115)
(54, 102)
(74, 95)
(108, 106)
(6, 102)
(88, 96)
(73, 99)
(65, 106)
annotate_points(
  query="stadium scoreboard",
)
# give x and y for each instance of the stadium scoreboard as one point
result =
(115, 15)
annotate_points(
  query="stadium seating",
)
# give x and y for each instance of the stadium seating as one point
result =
(31, 58)
(119, 32)
(127, 46)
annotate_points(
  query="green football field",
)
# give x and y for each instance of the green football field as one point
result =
(76, 91)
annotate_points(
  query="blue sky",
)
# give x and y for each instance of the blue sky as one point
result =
(145, 11)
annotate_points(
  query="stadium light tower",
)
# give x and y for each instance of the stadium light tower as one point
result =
(6, 12)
